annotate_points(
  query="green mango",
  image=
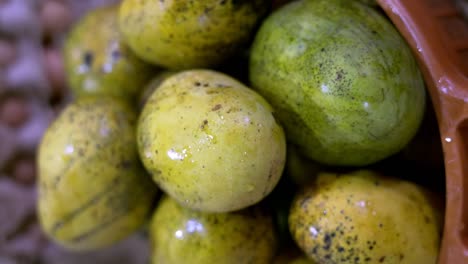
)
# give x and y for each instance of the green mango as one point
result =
(98, 62)
(93, 190)
(342, 80)
(179, 235)
(210, 142)
(189, 34)
(364, 217)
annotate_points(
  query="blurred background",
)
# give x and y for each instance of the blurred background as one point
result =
(32, 92)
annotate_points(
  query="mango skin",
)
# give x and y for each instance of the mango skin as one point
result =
(189, 34)
(179, 235)
(344, 83)
(362, 217)
(93, 190)
(210, 142)
(98, 63)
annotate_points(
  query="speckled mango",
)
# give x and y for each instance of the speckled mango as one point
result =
(363, 217)
(343, 81)
(98, 63)
(189, 34)
(179, 235)
(93, 190)
(210, 142)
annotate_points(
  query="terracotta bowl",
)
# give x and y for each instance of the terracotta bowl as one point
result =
(438, 36)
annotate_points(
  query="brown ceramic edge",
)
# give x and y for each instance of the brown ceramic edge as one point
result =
(448, 90)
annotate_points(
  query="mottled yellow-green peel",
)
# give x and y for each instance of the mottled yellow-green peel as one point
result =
(210, 142)
(343, 81)
(93, 190)
(362, 217)
(98, 63)
(181, 236)
(189, 34)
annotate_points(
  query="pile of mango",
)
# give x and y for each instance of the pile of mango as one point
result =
(240, 132)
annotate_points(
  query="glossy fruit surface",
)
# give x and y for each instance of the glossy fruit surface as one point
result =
(343, 81)
(210, 142)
